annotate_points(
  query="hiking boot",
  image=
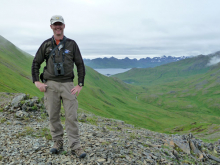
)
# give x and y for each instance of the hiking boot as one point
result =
(79, 152)
(58, 145)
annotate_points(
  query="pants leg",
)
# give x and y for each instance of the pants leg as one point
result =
(70, 105)
(52, 101)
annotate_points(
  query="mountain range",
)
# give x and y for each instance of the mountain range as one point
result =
(176, 71)
(166, 98)
(147, 62)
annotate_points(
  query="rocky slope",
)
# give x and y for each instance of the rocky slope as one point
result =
(25, 139)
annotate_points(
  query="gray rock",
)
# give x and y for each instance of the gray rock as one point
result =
(21, 114)
(32, 102)
(214, 158)
(104, 130)
(24, 107)
(24, 143)
(6, 107)
(210, 146)
(15, 102)
(195, 150)
(94, 134)
(218, 149)
(29, 109)
(101, 160)
(17, 123)
(83, 118)
(183, 145)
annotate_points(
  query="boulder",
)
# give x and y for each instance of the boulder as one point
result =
(195, 150)
(16, 101)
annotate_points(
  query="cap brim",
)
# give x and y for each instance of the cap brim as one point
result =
(56, 21)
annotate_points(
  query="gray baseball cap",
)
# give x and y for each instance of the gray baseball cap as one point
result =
(56, 18)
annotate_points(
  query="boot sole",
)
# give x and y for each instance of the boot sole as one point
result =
(81, 156)
(55, 151)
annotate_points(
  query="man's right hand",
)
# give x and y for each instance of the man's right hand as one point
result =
(40, 86)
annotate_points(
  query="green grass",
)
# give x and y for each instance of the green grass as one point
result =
(3, 120)
(173, 94)
(15, 68)
(187, 91)
(27, 131)
(46, 133)
(43, 132)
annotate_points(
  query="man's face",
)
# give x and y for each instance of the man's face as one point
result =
(57, 28)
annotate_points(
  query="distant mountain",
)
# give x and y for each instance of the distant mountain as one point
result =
(171, 72)
(130, 63)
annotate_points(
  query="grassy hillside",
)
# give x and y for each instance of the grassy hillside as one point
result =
(199, 94)
(189, 88)
(155, 108)
(15, 69)
(196, 100)
(188, 85)
(159, 108)
(167, 73)
(101, 95)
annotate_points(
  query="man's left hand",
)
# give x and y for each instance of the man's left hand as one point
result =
(76, 89)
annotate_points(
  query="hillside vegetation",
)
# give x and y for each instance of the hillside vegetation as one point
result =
(101, 95)
(15, 68)
(169, 72)
(158, 108)
(189, 87)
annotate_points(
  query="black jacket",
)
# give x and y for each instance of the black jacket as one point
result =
(72, 55)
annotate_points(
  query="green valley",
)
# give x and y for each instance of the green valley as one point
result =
(189, 88)
(165, 97)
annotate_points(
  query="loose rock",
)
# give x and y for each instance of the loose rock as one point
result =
(110, 141)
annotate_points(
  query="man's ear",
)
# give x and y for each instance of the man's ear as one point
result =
(51, 26)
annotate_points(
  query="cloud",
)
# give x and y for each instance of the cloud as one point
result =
(213, 61)
(118, 28)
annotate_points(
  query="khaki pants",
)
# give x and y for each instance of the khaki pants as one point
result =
(57, 91)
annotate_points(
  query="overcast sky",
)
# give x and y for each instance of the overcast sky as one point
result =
(119, 28)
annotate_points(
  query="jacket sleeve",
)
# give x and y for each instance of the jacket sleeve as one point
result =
(79, 64)
(38, 60)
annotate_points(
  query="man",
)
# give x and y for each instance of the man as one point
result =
(60, 54)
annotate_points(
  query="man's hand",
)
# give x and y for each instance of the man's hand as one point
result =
(40, 86)
(76, 89)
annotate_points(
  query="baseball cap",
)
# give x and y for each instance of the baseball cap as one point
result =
(56, 18)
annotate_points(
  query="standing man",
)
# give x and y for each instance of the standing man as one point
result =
(60, 54)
